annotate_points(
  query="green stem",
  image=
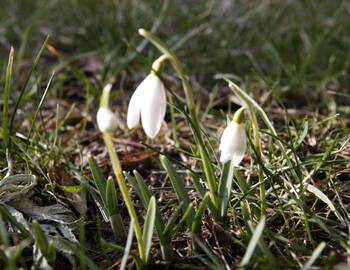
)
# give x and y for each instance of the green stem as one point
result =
(165, 49)
(157, 65)
(125, 193)
(105, 96)
(257, 143)
(173, 121)
(207, 166)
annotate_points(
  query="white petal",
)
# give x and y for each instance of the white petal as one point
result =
(237, 158)
(106, 120)
(233, 143)
(224, 157)
(226, 137)
(134, 108)
(153, 106)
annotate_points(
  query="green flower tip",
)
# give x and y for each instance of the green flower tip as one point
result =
(105, 96)
(158, 64)
(239, 115)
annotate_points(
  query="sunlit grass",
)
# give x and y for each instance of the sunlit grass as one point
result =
(286, 60)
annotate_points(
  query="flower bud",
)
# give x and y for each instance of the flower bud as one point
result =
(106, 120)
(233, 141)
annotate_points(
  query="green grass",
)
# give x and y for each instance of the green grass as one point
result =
(291, 57)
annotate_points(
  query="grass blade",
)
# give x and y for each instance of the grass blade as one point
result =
(315, 254)
(171, 222)
(253, 243)
(20, 54)
(100, 180)
(320, 195)
(51, 253)
(302, 133)
(215, 263)
(178, 185)
(127, 246)
(113, 210)
(189, 211)
(149, 227)
(145, 195)
(197, 221)
(24, 87)
(8, 79)
(225, 186)
(78, 252)
(195, 180)
(6, 215)
(40, 238)
(144, 191)
(132, 180)
(241, 182)
(40, 104)
(111, 197)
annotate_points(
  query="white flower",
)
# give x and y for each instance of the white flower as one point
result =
(149, 103)
(106, 120)
(233, 143)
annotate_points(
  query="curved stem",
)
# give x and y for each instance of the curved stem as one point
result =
(257, 145)
(207, 166)
(257, 141)
(165, 49)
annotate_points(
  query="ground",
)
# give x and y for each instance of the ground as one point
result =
(291, 57)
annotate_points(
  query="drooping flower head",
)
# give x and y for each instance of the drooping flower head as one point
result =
(106, 120)
(148, 102)
(233, 141)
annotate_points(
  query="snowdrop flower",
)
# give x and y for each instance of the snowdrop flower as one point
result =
(233, 141)
(106, 120)
(148, 102)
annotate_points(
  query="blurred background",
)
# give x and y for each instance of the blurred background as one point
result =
(298, 51)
